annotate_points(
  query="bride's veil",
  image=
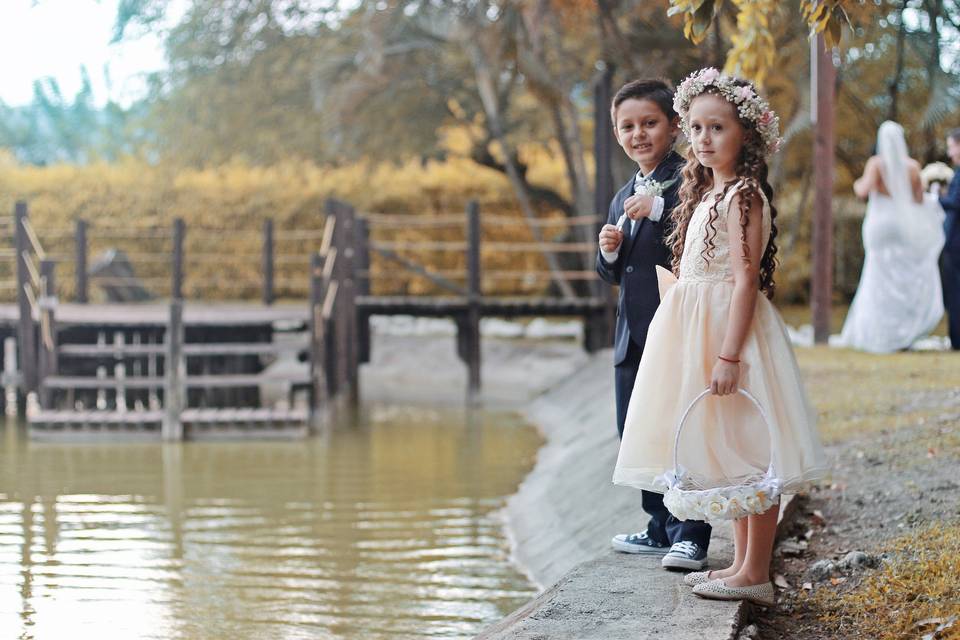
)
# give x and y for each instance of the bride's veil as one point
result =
(892, 149)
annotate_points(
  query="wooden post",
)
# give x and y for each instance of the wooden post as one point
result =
(823, 159)
(346, 307)
(26, 335)
(318, 373)
(80, 269)
(598, 328)
(120, 371)
(471, 325)
(10, 376)
(47, 361)
(179, 231)
(268, 262)
(603, 142)
(347, 301)
(174, 387)
(362, 279)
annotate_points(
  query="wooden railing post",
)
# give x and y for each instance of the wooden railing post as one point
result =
(80, 268)
(174, 393)
(318, 372)
(345, 309)
(471, 338)
(26, 335)
(361, 265)
(47, 361)
(268, 262)
(179, 231)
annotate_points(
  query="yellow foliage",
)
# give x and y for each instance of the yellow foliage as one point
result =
(913, 595)
(752, 50)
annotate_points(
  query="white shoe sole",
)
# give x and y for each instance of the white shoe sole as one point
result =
(624, 547)
(673, 562)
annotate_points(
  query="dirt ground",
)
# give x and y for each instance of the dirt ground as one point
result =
(891, 425)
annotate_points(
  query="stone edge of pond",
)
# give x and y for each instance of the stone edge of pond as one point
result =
(559, 524)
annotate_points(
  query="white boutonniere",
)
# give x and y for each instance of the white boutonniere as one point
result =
(647, 186)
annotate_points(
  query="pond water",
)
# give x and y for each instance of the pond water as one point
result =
(387, 529)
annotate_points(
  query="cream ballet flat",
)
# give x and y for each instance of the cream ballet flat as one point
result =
(761, 594)
(697, 577)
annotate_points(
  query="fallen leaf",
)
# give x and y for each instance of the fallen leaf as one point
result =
(836, 581)
(808, 586)
(781, 581)
(931, 452)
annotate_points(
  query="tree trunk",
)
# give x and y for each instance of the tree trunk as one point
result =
(935, 10)
(898, 74)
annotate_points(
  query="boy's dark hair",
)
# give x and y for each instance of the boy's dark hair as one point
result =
(953, 134)
(660, 92)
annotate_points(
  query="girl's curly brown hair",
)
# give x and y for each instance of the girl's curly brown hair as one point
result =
(697, 180)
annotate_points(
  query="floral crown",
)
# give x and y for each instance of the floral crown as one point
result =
(749, 105)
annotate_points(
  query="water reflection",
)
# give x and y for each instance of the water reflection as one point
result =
(387, 530)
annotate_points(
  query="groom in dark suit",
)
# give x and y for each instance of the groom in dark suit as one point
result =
(950, 263)
(631, 246)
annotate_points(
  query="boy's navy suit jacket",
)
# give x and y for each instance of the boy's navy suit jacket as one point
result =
(634, 269)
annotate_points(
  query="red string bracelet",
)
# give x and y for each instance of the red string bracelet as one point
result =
(730, 360)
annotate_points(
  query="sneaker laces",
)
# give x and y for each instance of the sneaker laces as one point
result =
(685, 547)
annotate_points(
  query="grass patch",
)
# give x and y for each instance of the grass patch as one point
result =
(912, 595)
(857, 393)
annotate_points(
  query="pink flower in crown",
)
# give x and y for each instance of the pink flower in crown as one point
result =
(775, 146)
(745, 93)
(766, 118)
(709, 75)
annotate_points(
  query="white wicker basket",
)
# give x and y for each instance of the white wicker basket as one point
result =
(718, 503)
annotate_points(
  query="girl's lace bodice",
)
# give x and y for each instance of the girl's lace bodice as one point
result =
(715, 267)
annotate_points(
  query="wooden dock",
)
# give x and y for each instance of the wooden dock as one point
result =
(196, 369)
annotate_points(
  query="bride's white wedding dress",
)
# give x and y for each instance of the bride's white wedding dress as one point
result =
(899, 299)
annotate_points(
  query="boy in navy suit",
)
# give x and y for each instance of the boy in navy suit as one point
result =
(631, 245)
(950, 202)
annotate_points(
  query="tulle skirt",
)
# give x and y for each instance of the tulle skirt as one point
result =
(725, 440)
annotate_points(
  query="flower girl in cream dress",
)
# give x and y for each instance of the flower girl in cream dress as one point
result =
(715, 330)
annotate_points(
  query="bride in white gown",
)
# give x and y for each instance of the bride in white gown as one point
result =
(899, 298)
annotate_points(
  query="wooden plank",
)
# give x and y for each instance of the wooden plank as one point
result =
(243, 348)
(110, 350)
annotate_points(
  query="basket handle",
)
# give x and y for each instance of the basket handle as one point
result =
(703, 394)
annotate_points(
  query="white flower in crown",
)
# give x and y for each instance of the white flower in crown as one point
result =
(749, 105)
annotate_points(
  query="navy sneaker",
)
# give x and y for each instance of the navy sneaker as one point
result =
(638, 543)
(685, 555)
